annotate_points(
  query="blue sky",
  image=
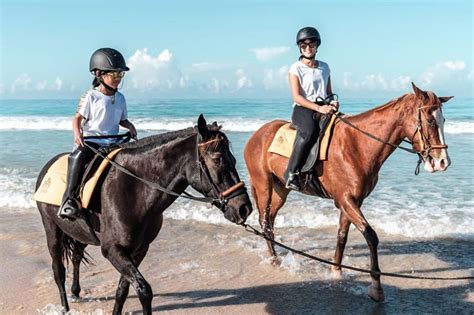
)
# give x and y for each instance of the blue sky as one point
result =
(236, 48)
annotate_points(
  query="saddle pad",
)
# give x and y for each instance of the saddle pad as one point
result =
(53, 184)
(282, 143)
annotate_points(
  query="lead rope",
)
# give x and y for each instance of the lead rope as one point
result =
(251, 229)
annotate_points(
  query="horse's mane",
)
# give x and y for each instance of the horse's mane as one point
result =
(154, 141)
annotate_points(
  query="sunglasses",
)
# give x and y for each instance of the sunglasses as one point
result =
(115, 74)
(311, 45)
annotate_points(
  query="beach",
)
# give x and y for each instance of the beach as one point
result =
(202, 264)
(199, 268)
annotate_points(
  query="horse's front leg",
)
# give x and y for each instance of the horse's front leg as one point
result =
(342, 233)
(123, 287)
(123, 262)
(54, 239)
(352, 210)
(77, 256)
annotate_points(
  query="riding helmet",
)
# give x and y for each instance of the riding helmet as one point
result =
(310, 33)
(107, 59)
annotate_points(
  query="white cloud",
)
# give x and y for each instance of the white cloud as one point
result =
(275, 78)
(58, 83)
(455, 65)
(41, 86)
(2, 89)
(267, 53)
(206, 66)
(441, 72)
(242, 81)
(22, 83)
(45, 86)
(470, 76)
(374, 82)
(149, 73)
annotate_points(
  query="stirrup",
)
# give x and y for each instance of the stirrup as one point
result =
(70, 209)
(293, 182)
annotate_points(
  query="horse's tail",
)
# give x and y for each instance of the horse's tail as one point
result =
(72, 249)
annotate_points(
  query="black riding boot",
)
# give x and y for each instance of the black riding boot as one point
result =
(294, 164)
(71, 205)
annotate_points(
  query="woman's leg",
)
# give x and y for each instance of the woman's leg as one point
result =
(307, 131)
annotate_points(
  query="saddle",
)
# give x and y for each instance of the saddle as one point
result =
(53, 185)
(284, 139)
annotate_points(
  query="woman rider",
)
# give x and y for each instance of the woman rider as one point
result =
(309, 80)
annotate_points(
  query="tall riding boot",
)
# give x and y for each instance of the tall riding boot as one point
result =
(71, 205)
(294, 164)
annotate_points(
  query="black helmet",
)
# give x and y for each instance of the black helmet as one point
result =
(308, 33)
(107, 59)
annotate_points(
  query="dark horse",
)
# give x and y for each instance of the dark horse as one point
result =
(354, 160)
(127, 214)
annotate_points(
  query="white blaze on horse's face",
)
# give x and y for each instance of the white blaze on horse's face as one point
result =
(440, 162)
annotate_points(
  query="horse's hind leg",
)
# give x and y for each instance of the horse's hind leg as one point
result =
(352, 210)
(342, 234)
(77, 256)
(54, 238)
(122, 261)
(123, 286)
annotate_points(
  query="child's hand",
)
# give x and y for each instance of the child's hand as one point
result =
(133, 131)
(78, 140)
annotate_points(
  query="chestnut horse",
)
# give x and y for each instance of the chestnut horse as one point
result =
(127, 211)
(350, 173)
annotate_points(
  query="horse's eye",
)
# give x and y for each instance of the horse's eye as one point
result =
(217, 158)
(430, 121)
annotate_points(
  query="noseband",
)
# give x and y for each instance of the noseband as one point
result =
(231, 192)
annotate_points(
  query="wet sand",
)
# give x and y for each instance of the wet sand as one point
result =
(197, 268)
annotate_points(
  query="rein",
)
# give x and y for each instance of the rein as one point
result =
(253, 230)
(221, 202)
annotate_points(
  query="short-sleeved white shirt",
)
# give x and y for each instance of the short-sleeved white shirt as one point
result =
(102, 115)
(313, 81)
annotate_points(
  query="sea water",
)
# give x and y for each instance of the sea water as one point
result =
(427, 205)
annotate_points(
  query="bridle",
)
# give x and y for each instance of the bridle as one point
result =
(224, 196)
(424, 140)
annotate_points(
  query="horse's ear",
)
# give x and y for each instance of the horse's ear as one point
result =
(202, 127)
(444, 99)
(419, 93)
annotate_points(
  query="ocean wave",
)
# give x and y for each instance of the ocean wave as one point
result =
(429, 216)
(235, 124)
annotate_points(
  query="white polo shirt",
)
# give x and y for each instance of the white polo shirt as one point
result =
(102, 115)
(313, 81)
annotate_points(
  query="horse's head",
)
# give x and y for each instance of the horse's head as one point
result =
(218, 176)
(428, 135)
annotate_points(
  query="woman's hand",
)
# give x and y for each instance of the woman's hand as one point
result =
(335, 105)
(326, 109)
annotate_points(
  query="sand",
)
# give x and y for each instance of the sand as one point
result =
(198, 268)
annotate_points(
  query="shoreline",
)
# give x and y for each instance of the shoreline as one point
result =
(199, 268)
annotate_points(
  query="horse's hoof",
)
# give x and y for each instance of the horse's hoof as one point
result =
(276, 262)
(376, 293)
(75, 299)
(336, 273)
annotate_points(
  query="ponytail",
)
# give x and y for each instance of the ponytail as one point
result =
(95, 83)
